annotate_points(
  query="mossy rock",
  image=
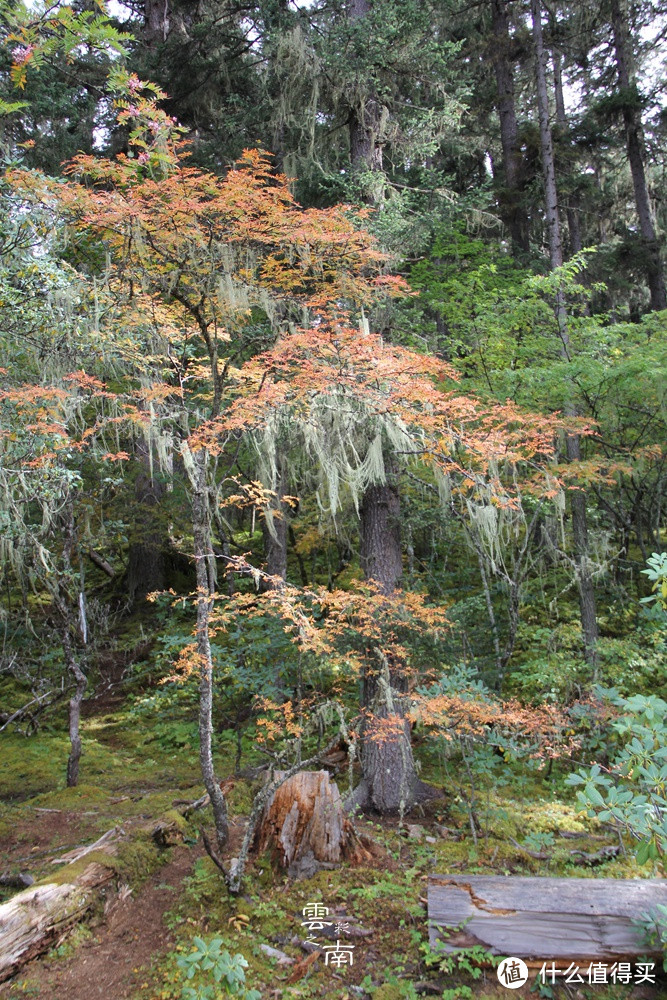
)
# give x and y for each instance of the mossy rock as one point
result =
(170, 829)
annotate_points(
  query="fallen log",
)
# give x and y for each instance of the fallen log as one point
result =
(101, 563)
(108, 838)
(542, 918)
(32, 920)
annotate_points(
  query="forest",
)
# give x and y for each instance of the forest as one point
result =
(333, 471)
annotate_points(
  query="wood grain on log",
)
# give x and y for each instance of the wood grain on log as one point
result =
(542, 918)
(33, 919)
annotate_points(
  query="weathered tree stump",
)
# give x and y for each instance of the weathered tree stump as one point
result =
(304, 826)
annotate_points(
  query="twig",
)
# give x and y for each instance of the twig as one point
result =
(538, 855)
(213, 856)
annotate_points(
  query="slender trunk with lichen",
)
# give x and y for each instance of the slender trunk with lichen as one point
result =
(205, 574)
(573, 226)
(66, 625)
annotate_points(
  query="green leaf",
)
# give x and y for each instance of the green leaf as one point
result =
(642, 854)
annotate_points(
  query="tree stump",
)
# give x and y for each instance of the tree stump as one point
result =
(304, 826)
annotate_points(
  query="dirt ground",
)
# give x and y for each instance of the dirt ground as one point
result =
(109, 964)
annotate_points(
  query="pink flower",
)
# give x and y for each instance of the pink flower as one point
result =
(21, 54)
(142, 158)
(134, 84)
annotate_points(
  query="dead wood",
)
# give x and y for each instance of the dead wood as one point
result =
(108, 838)
(597, 857)
(101, 563)
(304, 826)
(20, 881)
(32, 920)
(573, 919)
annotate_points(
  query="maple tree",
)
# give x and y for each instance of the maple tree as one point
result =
(197, 263)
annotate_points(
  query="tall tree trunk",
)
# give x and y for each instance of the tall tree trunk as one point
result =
(636, 148)
(389, 778)
(573, 226)
(146, 558)
(381, 558)
(276, 533)
(510, 195)
(205, 571)
(156, 21)
(573, 447)
(364, 126)
(389, 781)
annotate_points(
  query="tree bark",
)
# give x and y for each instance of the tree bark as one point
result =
(156, 21)
(511, 210)
(573, 447)
(389, 781)
(574, 229)
(81, 682)
(275, 536)
(381, 558)
(205, 574)
(146, 564)
(365, 126)
(636, 149)
(65, 618)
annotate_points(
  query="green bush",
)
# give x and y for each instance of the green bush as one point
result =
(210, 962)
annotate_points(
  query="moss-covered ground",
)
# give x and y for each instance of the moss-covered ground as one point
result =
(131, 777)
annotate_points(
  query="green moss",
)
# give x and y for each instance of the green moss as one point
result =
(241, 796)
(138, 858)
(553, 816)
(31, 765)
(173, 817)
(69, 873)
(133, 863)
(80, 797)
(389, 991)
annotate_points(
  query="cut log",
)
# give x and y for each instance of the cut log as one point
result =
(32, 920)
(304, 826)
(542, 918)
